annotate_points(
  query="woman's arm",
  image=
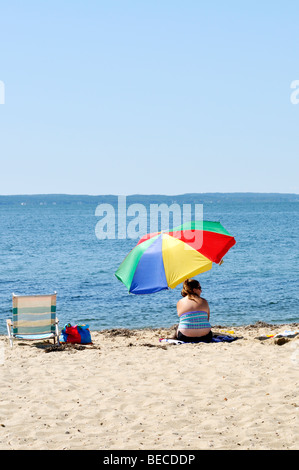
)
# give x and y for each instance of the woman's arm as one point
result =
(178, 307)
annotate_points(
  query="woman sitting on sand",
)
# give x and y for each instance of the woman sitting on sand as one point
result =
(194, 314)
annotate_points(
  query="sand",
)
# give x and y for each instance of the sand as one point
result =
(129, 391)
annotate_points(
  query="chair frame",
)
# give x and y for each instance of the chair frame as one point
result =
(30, 336)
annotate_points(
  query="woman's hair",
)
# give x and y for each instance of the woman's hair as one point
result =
(188, 288)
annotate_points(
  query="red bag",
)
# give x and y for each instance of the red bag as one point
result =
(73, 335)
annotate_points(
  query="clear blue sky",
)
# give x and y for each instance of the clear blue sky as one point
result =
(152, 96)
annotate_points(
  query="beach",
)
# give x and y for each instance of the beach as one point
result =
(127, 390)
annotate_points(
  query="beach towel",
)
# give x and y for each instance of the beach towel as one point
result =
(75, 334)
(217, 338)
(287, 333)
(173, 341)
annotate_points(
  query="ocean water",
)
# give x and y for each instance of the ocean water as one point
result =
(49, 243)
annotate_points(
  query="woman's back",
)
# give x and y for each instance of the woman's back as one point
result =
(193, 311)
(192, 305)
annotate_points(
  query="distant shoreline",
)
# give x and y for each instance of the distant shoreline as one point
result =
(249, 193)
(150, 198)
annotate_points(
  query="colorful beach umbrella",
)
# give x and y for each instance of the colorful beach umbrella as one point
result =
(163, 260)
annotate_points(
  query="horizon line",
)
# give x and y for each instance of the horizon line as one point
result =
(151, 194)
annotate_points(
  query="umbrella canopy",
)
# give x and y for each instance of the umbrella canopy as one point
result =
(165, 259)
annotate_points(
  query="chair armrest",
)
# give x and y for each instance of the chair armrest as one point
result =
(9, 322)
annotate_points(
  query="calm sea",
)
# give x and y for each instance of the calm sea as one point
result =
(48, 243)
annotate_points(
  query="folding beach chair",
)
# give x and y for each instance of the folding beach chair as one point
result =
(34, 318)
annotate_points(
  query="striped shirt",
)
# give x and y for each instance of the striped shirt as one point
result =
(194, 320)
